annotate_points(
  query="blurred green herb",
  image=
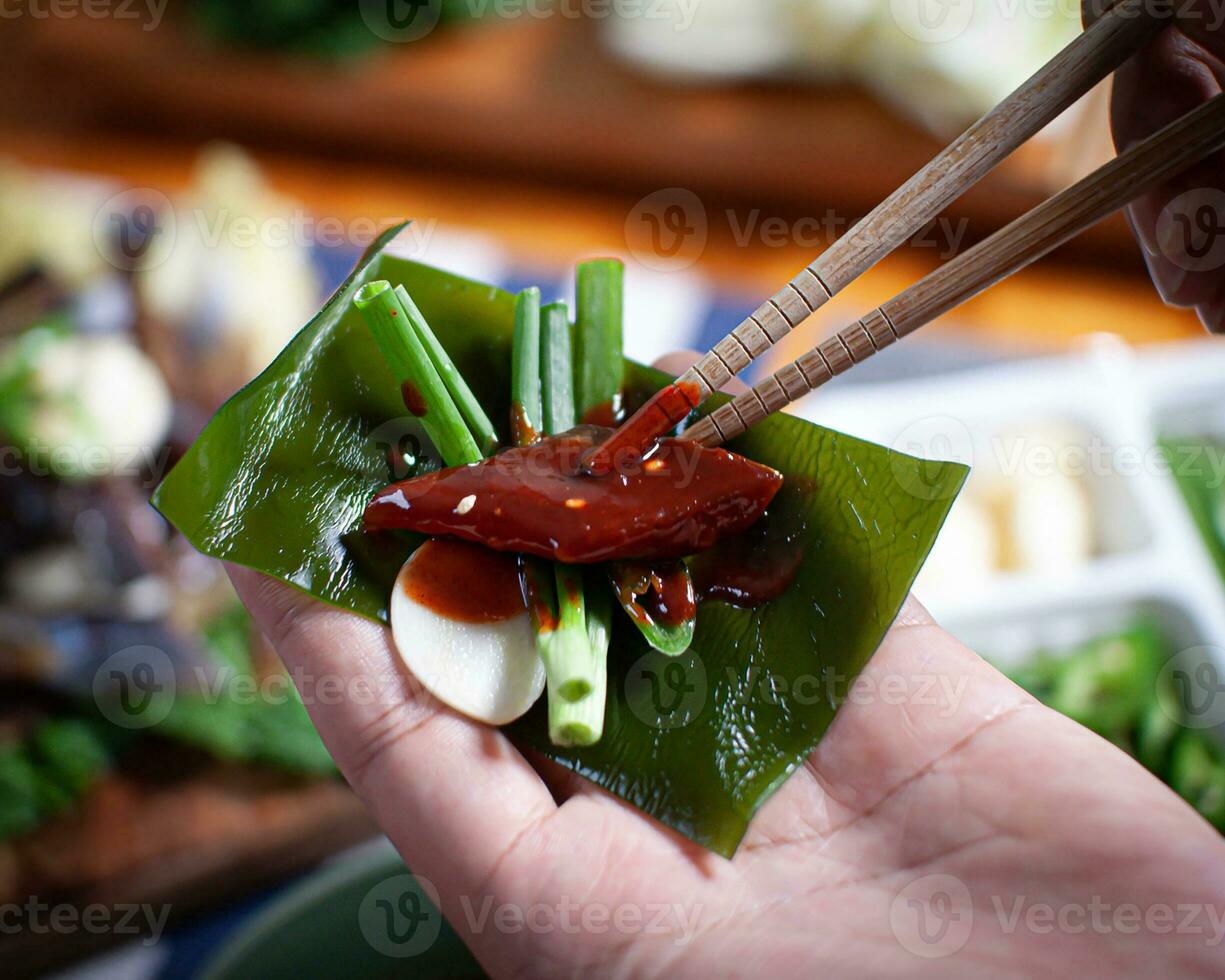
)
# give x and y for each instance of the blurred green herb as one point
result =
(329, 29)
(53, 767)
(1114, 685)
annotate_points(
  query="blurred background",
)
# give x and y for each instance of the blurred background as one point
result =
(182, 185)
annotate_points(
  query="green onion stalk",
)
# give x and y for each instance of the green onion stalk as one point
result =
(600, 376)
(599, 359)
(416, 358)
(572, 632)
(474, 416)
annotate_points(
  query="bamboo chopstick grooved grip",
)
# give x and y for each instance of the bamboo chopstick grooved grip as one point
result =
(1066, 77)
(1146, 164)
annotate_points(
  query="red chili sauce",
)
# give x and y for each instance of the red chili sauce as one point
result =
(414, 401)
(608, 414)
(748, 570)
(464, 582)
(657, 594)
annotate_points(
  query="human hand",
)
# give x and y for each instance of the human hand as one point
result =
(1181, 224)
(904, 845)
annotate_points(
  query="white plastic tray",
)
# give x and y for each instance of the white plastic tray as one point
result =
(1149, 558)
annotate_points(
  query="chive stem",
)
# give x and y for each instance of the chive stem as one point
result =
(600, 374)
(572, 644)
(556, 369)
(389, 320)
(598, 328)
(526, 409)
(573, 680)
(479, 426)
(581, 722)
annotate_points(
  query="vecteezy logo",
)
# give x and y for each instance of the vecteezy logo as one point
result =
(1199, 689)
(667, 230)
(933, 21)
(135, 229)
(932, 916)
(399, 916)
(407, 454)
(666, 692)
(135, 688)
(401, 21)
(934, 440)
(142, 220)
(1191, 230)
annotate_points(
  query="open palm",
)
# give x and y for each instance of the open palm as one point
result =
(977, 833)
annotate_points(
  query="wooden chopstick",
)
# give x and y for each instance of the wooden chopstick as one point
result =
(1064, 79)
(1158, 158)
(961, 165)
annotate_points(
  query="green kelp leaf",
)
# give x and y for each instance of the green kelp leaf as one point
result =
(280, 477)
(278, 481)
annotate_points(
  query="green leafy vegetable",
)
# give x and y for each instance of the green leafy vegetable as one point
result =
(243, 717)
(74, 752)
(327, 29)
(1200, 489)
(279, 479)
(1107, 683)
(1197, 774)
(1114, 685)
(21, 799)
(25, 402)
(53, 768)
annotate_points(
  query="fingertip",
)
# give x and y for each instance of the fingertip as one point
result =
(1212, 315)
(270, 602)
(288, 617)
(914, 613)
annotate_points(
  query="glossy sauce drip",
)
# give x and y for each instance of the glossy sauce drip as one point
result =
(464, 582)
(679, 501)
(666, 408)
(535, 592)
(414, 401)
(657, 594)
(607, 414)
(521, 431)
(748, 570)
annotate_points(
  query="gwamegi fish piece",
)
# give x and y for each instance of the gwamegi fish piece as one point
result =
(679, 500)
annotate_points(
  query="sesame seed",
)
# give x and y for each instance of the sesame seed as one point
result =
(466, 504)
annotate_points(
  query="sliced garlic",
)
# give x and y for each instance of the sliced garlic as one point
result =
(487, 671)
